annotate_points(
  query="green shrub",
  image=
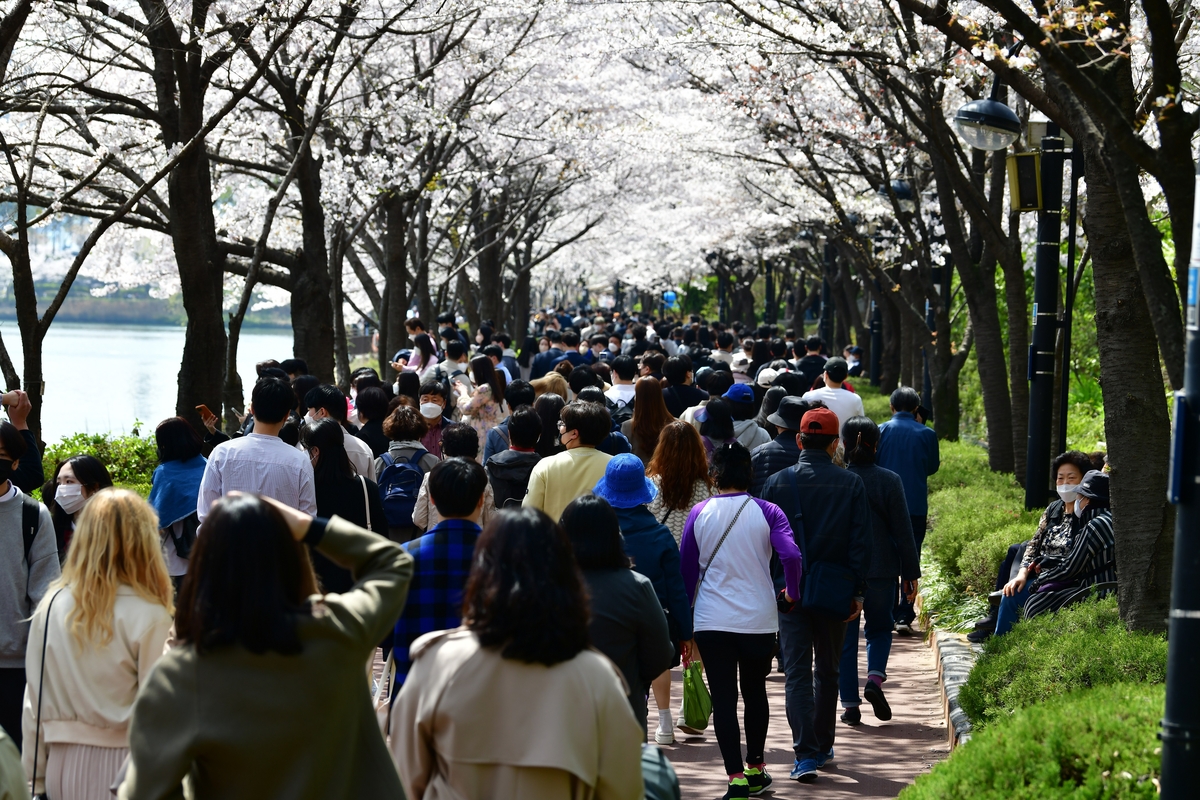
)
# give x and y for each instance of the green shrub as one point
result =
(1081, 646)
(130, 459)
(875, 405)
(1094, 743)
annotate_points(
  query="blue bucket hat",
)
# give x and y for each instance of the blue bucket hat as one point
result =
(625, 484)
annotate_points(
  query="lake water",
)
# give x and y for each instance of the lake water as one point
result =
(103, 378)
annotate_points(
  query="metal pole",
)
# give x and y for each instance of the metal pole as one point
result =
(769, 312)
(825, 325)
(1181, 722)
(1045, 320)
(876, 339)
(1064, 397)
(722, 308)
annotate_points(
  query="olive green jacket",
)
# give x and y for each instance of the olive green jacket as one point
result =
(279, 726)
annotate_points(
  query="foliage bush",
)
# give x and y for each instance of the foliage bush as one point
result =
(1094, 743)
(130, 459)
(1080, 646)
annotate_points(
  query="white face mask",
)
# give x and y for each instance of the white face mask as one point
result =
(583, 348)
(70, 497)
(431, 410)
(1067, 492)
(612, 348)
(311, 417)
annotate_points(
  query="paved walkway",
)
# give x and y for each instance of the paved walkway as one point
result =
(874, 760)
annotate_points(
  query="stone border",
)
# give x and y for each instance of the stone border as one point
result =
(955, 657)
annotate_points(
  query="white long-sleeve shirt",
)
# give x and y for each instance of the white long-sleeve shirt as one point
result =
(259, 464)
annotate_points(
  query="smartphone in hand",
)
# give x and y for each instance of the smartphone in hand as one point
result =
(205, 414)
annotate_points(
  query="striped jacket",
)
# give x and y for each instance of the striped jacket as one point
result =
(1092, 559)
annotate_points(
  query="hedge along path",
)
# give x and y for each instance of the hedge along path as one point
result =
(874, 760)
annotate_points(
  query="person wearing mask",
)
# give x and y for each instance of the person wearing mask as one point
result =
(571, 340)
(74, 482)
(1053, 540)
(844, 403)
(434, 399)
(652, 367)
(893, 553)
(741, 400)
(454, 370)
(97, 633)
(516, 394)
(680, 393)
(559, 479)
(679, 470)
(546, 360)
(483, 407)
(909, 449)
(372, 406)
(261, 463)
(828, 510)
(457, 442)
(29, 564)
(813, 363)
(784, 450)
(423, 360)
(624, 370)
(442, 557)
(30, 474)
(328, 402)
(1092, 557)
(341, 491)
(405, 430)
(654, 553)
(549, 409)
(627, 623)
(464, 725)
(496, 355)
(650, 416)
(263, 695)
(174, 489)
(509, 471)
(725, 558)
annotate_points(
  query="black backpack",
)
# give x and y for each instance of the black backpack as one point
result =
(620, 413)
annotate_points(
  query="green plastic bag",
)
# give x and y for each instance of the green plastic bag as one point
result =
(697, 705)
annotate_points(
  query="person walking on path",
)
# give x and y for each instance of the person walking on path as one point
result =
(29, 564)
(627, 622)
(893, 552)
(264, 696)
(726, 562)
(784, 450)
(483, 407)
(174, 488)
(812, 363)
(650, 416)
(680, 472)
(910, 449)
(559, 479)
(509, 470)
(515, 704)
(96, 636)
(405, 429)
(829, 514)
(75, 481)
(457, 442)
(328, 402)
(837, 398)
(442, 557)
(516, 394)
(260, 462)
(654, 553)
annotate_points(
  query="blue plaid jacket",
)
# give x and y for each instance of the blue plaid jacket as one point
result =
(442, 560)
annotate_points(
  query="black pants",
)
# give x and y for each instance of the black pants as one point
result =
(811, 646)
(904, 611)
(12, 698)
(726, 655)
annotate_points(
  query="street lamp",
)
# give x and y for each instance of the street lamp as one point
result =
(988, 124)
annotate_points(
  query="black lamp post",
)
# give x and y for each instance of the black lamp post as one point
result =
(825, 324)
(769, 313)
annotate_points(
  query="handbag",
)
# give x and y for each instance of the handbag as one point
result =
(826, 588)
(37, 728)
(697, 703)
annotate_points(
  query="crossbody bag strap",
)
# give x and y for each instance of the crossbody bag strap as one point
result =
(717, 549)
(366, 501)
(37, 728)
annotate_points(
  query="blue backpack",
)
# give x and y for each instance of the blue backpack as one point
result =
(399, 484)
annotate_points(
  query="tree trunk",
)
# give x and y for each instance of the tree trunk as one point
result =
(312, 287)
(395, 250)
(1018, 344)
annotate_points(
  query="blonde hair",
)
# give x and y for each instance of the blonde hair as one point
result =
(552, 382)
(116, 542)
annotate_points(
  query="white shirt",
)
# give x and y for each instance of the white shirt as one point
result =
(843, 402)
(259, 464)
(621, 393)
(360, 455)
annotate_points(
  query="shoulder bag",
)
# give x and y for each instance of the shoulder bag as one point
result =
(716, 549)
(826, 588)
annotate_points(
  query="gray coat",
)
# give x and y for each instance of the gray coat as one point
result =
(893, 547)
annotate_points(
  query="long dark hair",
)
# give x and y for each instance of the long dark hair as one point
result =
(718, 422)
(484, 371)
(595, 533)
(423, 345)
(678, 462)
(176, 440)
(650, 413)
(332, 461)
(860, 436)
(549, 407)
(525, 594)
(247, 581)
(91, 473)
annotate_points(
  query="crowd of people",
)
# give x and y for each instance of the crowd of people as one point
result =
(530, 541)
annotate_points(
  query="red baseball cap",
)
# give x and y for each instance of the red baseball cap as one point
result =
(819, 420)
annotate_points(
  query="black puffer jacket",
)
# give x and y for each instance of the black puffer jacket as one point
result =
(779, 453)
(508, 472)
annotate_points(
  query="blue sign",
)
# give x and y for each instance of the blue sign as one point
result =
(669, 298)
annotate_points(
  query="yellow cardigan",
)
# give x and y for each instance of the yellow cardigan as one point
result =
(558, 480)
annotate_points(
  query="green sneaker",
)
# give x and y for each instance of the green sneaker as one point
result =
(739, 789)
(758, 780)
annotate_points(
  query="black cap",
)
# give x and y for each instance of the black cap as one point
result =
(837, 369)
(788, 415)
(1094, 487)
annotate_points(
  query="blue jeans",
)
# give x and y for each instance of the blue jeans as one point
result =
(1010, 610)
(877, 608)
(810, 693)
(904, 610)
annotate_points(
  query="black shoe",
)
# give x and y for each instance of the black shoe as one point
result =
(987, 623)
(852, 716)
(739, 789)
(758, 780)
(980, 635)
(873, 694)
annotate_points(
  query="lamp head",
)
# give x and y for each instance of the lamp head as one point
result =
(987, 124)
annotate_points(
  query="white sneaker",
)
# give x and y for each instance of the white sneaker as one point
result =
(664, 734)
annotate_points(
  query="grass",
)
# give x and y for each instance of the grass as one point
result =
(943, 605)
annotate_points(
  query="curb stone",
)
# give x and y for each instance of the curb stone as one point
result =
(955, 657)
